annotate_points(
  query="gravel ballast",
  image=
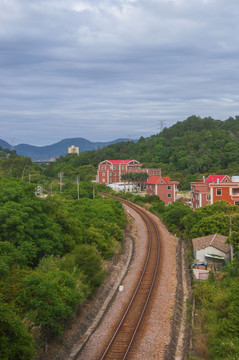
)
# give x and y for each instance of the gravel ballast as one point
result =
(89, 332)
(157, 324)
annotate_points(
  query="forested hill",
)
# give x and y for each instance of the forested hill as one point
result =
(4, 152)
(196, 145)
(55, 150)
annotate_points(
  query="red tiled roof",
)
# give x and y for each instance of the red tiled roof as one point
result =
(154, 179)
(216, 240)
(120, 161)
(167, 179)
(214, 178)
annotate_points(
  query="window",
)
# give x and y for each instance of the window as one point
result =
(114, 173)
(114, 167)
(103, 180)
(103, 168)
(103, 174)
(236, 202)
(122, 167)
(169, 195)
(169, 187)
(208, 197)
(219, 192)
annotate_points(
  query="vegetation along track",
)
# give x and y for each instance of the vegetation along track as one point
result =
(122, 343)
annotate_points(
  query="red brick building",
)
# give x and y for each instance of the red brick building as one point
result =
(200, 194)
(162, 187)
(214, 188)
(111, 171)
(228, 191)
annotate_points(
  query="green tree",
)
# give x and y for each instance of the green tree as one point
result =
(173, 215)
(15, 341)
(49, 299)
(88, 260)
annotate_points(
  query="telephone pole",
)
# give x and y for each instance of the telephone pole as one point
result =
(60, 175)
(77, 183)
(230, 232)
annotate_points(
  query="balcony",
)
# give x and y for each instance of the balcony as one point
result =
(234, 192)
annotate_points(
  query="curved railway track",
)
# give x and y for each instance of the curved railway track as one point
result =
(122, 344)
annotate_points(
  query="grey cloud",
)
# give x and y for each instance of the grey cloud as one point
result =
(116, 67)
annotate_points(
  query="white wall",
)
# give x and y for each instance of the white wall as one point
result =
(200, 254)
(123, 187)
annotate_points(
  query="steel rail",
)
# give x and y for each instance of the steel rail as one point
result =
(144, 216)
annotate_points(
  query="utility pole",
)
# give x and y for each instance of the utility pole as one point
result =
(77, 183)
(60, 175)
(230, 232)
(230, 226)
(39, 190)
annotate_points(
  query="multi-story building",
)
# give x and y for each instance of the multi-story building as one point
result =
(215, 188)
(162, 187)
(227, 191)
(200, 194)
(73, 149)
(111, 171)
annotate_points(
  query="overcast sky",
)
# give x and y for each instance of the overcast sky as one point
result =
(104, 69)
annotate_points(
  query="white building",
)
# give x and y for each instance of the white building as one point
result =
(73, 149)
(212, 249)
(126, 187)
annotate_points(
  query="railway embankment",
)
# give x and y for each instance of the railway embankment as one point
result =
(86, 335)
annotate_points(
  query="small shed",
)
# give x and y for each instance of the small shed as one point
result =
(213, 250)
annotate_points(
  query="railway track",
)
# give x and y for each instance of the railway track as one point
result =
(122, 345)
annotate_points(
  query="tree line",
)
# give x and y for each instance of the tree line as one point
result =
(185, 151)
(51, 259)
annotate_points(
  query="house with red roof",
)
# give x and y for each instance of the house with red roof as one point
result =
(214, 188)
(162, 187)
(111, 171)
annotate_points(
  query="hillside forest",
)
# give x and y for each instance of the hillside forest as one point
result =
(53, 248)
(185, 151)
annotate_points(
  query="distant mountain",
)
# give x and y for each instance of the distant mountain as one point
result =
(57, 149)
(5, 145)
